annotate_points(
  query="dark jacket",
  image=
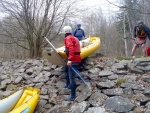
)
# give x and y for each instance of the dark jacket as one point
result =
(145, 29)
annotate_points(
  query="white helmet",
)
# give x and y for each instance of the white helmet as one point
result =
(67, 29)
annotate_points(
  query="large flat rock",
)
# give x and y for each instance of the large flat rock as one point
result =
(119, 104)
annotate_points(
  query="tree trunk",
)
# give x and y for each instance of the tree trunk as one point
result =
(125, 38)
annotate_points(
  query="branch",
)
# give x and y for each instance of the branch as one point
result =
(125, 7)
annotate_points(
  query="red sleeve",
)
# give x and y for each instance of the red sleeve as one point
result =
(69, 46)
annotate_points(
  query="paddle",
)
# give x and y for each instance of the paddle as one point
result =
(65, 62)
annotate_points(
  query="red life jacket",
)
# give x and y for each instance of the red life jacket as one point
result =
(73, 46)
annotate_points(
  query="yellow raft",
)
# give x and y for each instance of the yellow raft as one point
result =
(22, 101)
(88, 46)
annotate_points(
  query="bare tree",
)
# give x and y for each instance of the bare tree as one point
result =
(32, 19)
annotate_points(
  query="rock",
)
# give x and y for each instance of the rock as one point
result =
(84, 95)
(148, 105)
(48, 106)
(142, 60)
(6, 93)
(101, 67)
(146, 78)
(119, 104)
(94, 70)
(18, 79)
(25, 76)
(6, 81)
(105, 73)
(40, 109)
(128, 92)
(146, 68)
(60, 84)
(39, 85)
(63, 91)
(22, 70)
(136, 71)
(119, 66)
(130, 78)
(132, 86)
(59, 109)
(10, 87)
(56, 73)
(42, 102)
(5, 63)
(147, 92)
(53, 67)
(144, 64)
(96, 110)
(46, 68)
(61, 69)
(29, 61)
(1, 96)
(113, 77)
(36, 63)
(48, 74)
(45, 97)
(39, 78)
(142, 98)
(94, 103)
(107, 84)
(3, 87)
(98, 96)
(110, 63)
(113, 92)
(147, 111)
(29, 71)
(120, 72)
(44, 91)
(93, 76)
(4, 77)
(79, 107)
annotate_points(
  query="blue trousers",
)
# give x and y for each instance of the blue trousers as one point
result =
(70, 78)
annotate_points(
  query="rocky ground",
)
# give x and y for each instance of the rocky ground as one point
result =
(115, 86)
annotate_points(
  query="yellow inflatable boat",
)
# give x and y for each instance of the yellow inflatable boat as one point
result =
(23, 101)
(88, 46)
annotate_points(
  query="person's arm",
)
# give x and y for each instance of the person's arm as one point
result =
(134, 32)
(147, 30)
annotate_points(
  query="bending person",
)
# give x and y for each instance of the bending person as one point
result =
(141, 32)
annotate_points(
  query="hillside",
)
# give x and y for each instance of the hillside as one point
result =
(116, 86)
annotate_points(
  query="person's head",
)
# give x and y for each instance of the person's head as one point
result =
(140, 24)
(67, 30)
(78, 25)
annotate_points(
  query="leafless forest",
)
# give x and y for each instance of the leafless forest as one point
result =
(26, 21)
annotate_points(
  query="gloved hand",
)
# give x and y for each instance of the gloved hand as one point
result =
(69, 63)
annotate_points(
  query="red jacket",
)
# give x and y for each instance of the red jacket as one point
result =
(73, 46)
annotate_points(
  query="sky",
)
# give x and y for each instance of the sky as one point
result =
(108, 9)
(106, 6)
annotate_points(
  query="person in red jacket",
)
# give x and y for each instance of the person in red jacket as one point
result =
(72, 49)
